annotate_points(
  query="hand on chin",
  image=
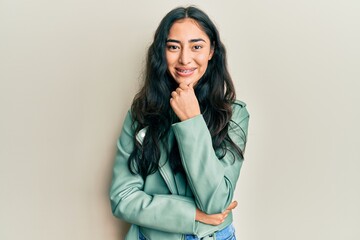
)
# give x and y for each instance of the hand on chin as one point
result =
(187, 81)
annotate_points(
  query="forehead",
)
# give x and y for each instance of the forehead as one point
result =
(186, 29)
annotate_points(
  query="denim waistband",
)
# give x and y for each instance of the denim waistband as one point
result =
(227, 233)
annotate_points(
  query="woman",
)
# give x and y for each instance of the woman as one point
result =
(182, 143)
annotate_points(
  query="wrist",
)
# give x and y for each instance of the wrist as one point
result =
(198, 215)
(184, 118)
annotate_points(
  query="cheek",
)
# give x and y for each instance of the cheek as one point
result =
(170, 59)
(167, 59)
(202, 59)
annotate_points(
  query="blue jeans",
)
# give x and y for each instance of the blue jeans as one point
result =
(227, 233)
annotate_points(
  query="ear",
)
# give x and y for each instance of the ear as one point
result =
(211, 53)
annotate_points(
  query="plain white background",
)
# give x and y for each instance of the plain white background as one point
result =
(69, 71)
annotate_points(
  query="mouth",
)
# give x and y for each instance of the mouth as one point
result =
(184, 72)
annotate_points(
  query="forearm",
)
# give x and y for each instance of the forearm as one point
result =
(211, 179)
(156, 212)
(205, 173)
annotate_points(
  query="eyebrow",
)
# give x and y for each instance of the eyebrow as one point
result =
(190, 41)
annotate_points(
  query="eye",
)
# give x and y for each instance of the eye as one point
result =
(173, 47)
(197, 47)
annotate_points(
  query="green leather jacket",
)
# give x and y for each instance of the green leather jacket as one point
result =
(163, 205)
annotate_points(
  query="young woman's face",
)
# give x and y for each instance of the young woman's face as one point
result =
(188, 50)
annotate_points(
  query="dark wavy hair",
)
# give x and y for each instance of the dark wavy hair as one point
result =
(151, 106)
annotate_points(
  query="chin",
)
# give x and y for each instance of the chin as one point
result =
(186, 81)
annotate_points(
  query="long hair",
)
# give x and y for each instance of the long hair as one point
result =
(151, 106)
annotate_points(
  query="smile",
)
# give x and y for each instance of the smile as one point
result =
(185, 71)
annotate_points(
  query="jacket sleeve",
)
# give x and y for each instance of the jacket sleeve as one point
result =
(211, 180)
(130, 203)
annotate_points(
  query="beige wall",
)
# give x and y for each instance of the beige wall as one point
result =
(69, 70)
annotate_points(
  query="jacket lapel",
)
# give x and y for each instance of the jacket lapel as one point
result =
(166, 173)
(164, 165)
(165, 168)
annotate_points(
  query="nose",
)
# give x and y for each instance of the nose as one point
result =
(185, 56)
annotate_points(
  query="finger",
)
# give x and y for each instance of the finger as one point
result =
(226, 211)
(183, 86)
(232, 205)
(191, 85)
(222, 219)
(174, 94)
(178, 90)
(173, 104)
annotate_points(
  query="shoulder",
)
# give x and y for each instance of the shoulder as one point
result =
(238, 103)
(129, 124)
(239, 111)
(128, 118)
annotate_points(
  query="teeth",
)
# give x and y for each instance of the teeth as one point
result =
(185, 71)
